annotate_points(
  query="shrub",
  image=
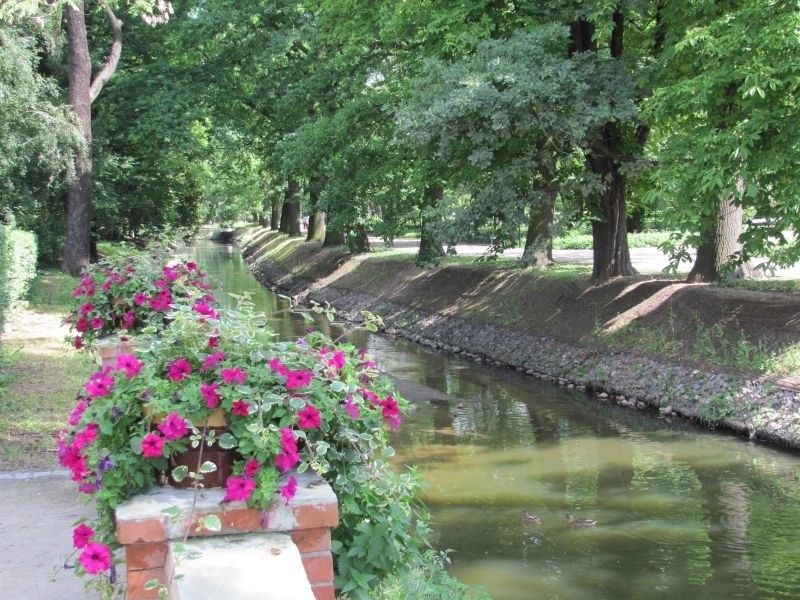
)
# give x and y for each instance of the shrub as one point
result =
(17, 268)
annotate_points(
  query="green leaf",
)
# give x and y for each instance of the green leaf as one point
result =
(208, 467)
(152, 584)
(211, 522)
(388, 452)
(338, 386)
(227, 441)
(179, 473)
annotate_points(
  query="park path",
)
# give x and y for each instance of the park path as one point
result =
(648, 261)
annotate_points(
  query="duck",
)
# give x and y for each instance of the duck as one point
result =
(530, 519)
(580, 522)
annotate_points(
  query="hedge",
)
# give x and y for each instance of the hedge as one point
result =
(17, 268)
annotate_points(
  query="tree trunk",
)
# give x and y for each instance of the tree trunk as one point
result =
(333, 237)
(430, 248)
(290, 214)
(611, 255)
(721, 244)
(82, 92)
(316, 225)
(77, 251)
(358, 241)
(275, 214)
(539, 238)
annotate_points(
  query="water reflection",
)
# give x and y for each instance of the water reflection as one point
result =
(681, 511)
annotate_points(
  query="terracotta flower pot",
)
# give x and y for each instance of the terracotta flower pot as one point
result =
(223, 458)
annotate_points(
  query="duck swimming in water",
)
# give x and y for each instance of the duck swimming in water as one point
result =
(530, 519)
(580, 522)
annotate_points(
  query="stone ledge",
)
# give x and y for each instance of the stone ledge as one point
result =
(141, 519)
(264, 566)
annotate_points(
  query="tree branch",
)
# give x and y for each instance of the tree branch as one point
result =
(104, 74)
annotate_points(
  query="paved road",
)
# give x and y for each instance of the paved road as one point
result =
(648, 261)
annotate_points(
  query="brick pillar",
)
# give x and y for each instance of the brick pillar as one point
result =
(145, 531)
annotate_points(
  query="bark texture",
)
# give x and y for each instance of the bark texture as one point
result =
(291, 223)
(430, 248)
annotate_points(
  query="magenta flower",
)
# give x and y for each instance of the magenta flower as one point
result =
(129, 319)
(130, 364)
(241, 408)
(251, 467)
(82, 325)
(152, 445)
(337, 362)
(213, 341)
(351, 408)
(95, 558)
(179, 369)
(286, 460)
(140, 298)
(276, 366)
(289, 489)
(236, 376)
(78, 342)
(173, 427)
(209, 393)
(212, 360)
(86, 308)
(298, 379)
(205, 310)
(238, 489)
(308, 417)
(77, 412)
(96, 323)
(86, 436)
(81, 535)
(288, 441)
(99, 385)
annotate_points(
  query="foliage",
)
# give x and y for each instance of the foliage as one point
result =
(133, 292)
(427, 579)
(21, 251)
(3, 275)
(725, 102)
(38, 139)
(575, 240)
(508, 122)
(307, 404)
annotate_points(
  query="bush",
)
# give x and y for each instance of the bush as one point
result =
(17, 268)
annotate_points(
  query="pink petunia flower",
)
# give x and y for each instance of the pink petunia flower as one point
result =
(288, 441)
(86, 308)
(351, 408)
(173, 427)
(152, 445)
(95, 558)
(86, 436)
(241, 408)
(309, 417)
(238, 489)
(235, 376)
(276, 366)
(179, 369)
(130, 364)
(81, 535)
(78, 342)
(251, 467)
(213, 341)
(140, 298)
(298, 379)
(77, 412)
(99, 385)
(129, 319)
(289, 490)
(212, 360)
(81, 325)
(209, 393)
(286, 460)
(96, 323)
(205, 310)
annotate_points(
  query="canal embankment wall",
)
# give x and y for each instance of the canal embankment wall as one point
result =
(563, 330)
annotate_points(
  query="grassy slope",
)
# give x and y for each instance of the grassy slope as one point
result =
(41, 375)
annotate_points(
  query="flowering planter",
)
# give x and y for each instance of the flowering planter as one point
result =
(222, 458)
(110, 347)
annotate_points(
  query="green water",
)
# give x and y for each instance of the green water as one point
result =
(681, 511)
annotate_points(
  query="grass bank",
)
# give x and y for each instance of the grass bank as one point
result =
(40, 376)
(726, 356)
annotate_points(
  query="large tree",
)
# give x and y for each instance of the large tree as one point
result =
(84, 88)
